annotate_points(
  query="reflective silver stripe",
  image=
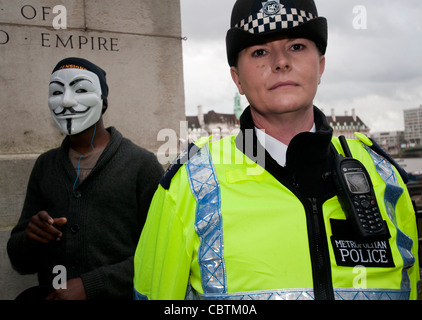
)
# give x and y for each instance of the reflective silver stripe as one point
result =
(284, 294)
(308, 294)
(393, 191)
(209, 225)
(371, 294)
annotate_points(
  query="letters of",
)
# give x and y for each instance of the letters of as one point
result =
(58, 16)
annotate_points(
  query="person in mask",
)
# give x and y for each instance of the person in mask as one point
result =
(87, 200)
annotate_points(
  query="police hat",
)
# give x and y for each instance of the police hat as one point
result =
(256, 21)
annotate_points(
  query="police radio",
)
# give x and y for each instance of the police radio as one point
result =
(357, 196)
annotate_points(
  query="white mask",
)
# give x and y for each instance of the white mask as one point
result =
(75, 100)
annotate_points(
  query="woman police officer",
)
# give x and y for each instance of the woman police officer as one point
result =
(223, 227)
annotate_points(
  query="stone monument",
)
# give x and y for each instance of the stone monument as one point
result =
(138, 44)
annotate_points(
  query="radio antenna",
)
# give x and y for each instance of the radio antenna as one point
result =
(345, 147)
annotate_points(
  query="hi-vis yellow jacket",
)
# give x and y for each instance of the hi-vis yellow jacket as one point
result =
(238, 233)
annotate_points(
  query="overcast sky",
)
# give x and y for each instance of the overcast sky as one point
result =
(377, 70)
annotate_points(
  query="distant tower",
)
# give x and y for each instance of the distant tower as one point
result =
(201, 116)
(237, 107)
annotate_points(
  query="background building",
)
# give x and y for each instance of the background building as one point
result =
(218, 125)
(347, 125)
(390, 141)
(413, 125)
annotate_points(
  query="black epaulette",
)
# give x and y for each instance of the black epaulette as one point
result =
(376, 147)
(177, 164)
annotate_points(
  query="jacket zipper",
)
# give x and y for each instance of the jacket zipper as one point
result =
(318, 246)
(321, 267)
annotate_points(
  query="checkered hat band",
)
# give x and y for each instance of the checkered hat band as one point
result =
(285, 19)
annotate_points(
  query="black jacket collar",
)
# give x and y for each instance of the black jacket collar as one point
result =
(308, 159)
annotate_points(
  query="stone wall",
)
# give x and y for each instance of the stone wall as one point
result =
(138, 44)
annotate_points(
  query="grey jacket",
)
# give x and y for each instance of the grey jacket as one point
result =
(105, 213)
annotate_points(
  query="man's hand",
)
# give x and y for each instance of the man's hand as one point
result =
(42, 228)
(75, 291)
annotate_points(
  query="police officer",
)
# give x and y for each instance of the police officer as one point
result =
(222, 226)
